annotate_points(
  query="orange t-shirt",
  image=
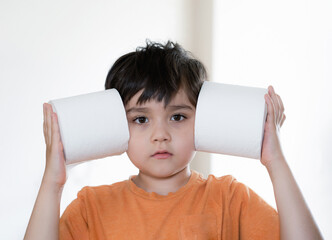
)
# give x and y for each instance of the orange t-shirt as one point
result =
(212, 208)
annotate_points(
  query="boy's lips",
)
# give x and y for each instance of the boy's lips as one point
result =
(162, 155)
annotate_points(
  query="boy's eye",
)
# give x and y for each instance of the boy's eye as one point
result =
(178, 117)
(141, 120)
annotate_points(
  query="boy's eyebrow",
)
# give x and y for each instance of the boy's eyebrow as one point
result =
(137, 109)
(182, 106)
(172, 108)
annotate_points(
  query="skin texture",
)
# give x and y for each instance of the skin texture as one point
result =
(271, 148)
(155, 128)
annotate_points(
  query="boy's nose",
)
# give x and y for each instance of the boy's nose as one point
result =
(160, 133)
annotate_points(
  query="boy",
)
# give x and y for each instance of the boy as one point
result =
(159, 86)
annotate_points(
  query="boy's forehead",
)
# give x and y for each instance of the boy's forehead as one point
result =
(179, 98)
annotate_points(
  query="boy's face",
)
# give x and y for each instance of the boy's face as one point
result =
(161, 139)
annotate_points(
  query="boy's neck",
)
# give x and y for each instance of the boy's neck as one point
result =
(163, 186)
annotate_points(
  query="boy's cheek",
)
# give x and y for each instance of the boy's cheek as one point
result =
(186, 140)
(132, 131)
(136, 140)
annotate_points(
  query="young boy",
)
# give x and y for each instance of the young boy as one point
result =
(159, 86)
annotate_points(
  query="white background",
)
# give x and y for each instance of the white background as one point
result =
(50, 50)
(287, 44)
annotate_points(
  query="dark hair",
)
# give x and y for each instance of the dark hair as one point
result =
(161, 70)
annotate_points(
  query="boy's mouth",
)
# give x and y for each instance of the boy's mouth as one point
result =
(162, 155)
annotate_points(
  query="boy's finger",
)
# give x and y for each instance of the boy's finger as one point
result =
(281, 104)
(44, 126)
(55, 129)
(275, 102)
(280, 109)
(49, 124)
(278, 113)
(270, 108)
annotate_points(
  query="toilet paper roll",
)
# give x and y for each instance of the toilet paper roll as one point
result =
(230, 119)
(92, 125)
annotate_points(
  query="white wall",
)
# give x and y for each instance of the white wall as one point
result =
(287, 44)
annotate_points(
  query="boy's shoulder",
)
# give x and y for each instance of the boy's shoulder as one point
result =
(225, 180)
(228, 184)
(100, 190)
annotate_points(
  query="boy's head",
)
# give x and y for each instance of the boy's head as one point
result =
(159, 85)
(160, 71)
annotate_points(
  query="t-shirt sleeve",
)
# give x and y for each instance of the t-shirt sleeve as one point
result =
(257, 219)
(73, 222)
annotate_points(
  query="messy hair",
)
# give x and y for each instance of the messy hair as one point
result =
(160, 70)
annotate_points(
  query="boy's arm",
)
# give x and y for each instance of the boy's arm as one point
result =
(44, 220)
(296, 221)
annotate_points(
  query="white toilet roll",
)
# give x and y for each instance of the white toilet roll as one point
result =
(230, 120)
(92, 125)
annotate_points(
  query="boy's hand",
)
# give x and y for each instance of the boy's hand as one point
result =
(271, 148)
(55, 170)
